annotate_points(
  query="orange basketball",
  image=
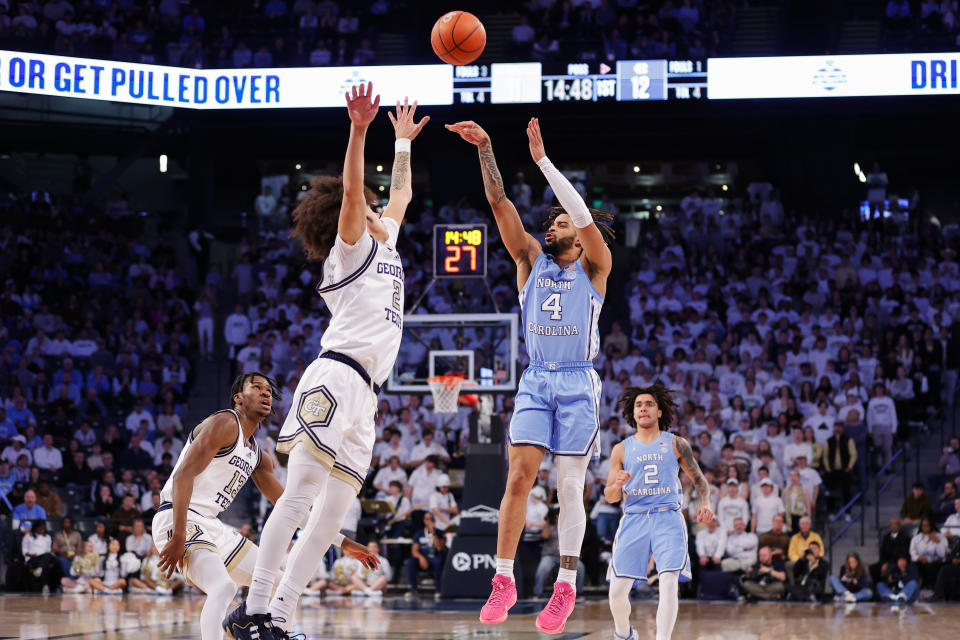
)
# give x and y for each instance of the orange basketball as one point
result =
(458, 37)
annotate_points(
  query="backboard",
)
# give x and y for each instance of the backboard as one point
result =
(480, 346)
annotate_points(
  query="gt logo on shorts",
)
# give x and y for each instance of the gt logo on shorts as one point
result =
(316, 408)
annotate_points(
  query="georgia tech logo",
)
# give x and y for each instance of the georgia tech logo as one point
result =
(316, 408)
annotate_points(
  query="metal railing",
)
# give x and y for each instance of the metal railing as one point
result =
(879, 489)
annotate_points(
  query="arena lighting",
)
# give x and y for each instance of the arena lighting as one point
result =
(856, 168)
(724, 187)
(659, 208)
(381, 187)
(636, 169)
(379, 167)
(298, 166)
(163, 163)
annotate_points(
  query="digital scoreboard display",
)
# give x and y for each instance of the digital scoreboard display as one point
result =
(459, 250)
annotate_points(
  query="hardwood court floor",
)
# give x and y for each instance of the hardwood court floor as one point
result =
(155, 618)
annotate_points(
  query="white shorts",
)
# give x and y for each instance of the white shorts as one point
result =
(211, 534)
(332, 415)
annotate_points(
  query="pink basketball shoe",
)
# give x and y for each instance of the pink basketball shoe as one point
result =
(503, 596)
(554, 616)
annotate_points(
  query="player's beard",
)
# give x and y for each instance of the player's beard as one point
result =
(558, 245)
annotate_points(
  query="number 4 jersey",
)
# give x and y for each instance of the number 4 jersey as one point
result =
(561, 309)
(219, 483)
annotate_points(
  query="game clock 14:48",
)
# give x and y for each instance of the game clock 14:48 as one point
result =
(459, 250)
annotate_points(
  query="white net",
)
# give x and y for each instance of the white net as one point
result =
(445, 391)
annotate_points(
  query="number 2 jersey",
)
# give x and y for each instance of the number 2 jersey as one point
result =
(218, 484)
(655, 472)
(560, 311)
(363, 287)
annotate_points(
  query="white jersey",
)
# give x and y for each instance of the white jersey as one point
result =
(363, 287)
(215, 487)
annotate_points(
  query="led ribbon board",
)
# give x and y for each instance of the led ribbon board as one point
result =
(156, 85)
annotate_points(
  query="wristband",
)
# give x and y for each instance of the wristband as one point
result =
(402, 145)
(339, 538)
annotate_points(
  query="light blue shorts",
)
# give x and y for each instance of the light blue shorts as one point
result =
(558, 410)
(662, 533)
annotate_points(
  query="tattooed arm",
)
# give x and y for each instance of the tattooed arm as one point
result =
(684, 453)
(401, 191)
(523, 247)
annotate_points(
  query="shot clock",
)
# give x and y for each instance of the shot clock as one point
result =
(459, 250)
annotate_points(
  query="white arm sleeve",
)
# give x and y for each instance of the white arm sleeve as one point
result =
(569, 199)
(338, 540)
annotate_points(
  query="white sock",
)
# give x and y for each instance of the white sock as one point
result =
(568, 575)
(306, 479)
(325, 521)
(619, 598)
(669, 603)
(505, 567)
(205, 569)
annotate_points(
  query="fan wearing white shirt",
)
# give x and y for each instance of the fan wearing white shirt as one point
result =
(391, 446)
(711, 544)
(796, 448)
(423, 483)
(427, 447)
(765, 508)
(443, 505)
(392, 472)
(821, 422)
(732, 507)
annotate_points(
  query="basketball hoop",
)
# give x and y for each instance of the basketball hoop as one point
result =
(445, 391)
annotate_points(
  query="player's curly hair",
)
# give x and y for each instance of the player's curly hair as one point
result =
(601, 218)
(661, 395)
(243, 378)
(315, 218)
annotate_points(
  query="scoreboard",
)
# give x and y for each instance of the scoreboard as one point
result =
(460, 250)
(620, 81)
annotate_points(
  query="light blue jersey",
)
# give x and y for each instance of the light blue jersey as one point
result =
(560, 310)
(652, 523)
(656, 474)
(558, 398)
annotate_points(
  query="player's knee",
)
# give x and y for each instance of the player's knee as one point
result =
(571, 486)
(519, 482)
(223, 590)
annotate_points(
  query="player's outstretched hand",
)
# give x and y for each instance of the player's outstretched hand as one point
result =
(623, 477)
(171, 554)
(536, 140)
(361, 105)
(469, 131)
(403, 124)
(705, 514)
(359, 552)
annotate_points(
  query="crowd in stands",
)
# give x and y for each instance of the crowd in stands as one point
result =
(610, 30)
(95, 371)
(921, 25)
(281, 33)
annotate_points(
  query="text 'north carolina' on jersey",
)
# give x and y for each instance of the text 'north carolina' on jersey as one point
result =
(218, 484)
(656, 474)
(560, 310)
(363, 288)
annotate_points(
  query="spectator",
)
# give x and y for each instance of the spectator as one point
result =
(135, 417)
(6, 479)
(944, 507)
(916, 507)
(320, 56)
(900, 584)
(741, 548)
(139, 541)
(810, 574)
(372, 582)
(152, 580)
(732, 506)
(85, 566)
(711, 543)
(99, 538)
(423, 484)
(110, 579)
(275, 9)
(839, 460)
(810, 480)
(765, 508)
(387, 474)
(853, 584)
(928, 549)
(48, 458)
(38, 557)
(17, 448)
(242, 56)
(428, 553)
(765, 579)
(27, 512)
(49, 501)
(125, 515)
(802, 539)
(522, 37)
(777, 538)
(364, 54)
(104, 504)
(882, 423)
(67, 543)
(442, 504)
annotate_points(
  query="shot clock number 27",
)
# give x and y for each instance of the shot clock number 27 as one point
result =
(459, 250)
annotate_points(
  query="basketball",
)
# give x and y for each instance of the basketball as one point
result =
(458, 37)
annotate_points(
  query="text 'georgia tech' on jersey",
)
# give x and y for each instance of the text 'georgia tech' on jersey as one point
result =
(560, 311)
(218, 484)
(362, 286)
